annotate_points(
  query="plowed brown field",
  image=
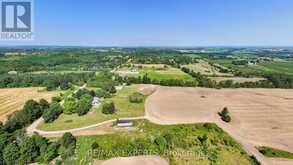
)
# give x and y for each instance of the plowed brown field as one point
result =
(260, 116)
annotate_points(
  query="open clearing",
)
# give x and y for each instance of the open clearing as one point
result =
(165, 74)
(263, 117)
(206, 68)
(156, 72)
(13, 99)
(124, 109)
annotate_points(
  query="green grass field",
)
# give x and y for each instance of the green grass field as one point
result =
(276, 67)
(180, 144)
(156, 72)
(165, 74)
(275, 153)
(123, 106)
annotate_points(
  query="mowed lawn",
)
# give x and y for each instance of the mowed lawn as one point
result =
(165, 74)
(124, 109)
(13, 99)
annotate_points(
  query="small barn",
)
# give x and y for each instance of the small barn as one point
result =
(124, 123)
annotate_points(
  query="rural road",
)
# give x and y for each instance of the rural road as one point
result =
(33, 127)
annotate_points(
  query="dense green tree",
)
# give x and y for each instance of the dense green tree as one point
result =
(44, 104)
(102, 93)
(108, 107)
(146, 79)
(5, 138)
(68, 144)
(33, 110)
(70, 106)
(84, 91)
(84, 104)
(67, 139)
(53, 112)
(11, 154)
(50, 153)
(28, 151)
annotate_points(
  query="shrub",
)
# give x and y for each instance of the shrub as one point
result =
(136, 97)
(67, 139)
(44, 104)
(57, 99)
(108, 107)
(225, 115)
(273, 152)
(51, 152)
(102, 93)
(161, 143)
(70, 106)
(82, 92)
(11, 154)
(84, 104)
(226, 118)
(68, 144)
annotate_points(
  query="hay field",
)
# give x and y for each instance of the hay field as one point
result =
(13, 99)
(262, 117)
(205, 68)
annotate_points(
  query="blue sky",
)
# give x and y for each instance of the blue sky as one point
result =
(162, 23)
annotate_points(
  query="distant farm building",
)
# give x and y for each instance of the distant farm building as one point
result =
(12, 72)
(251, 63)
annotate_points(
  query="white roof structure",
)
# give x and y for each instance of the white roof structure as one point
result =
(124, 123)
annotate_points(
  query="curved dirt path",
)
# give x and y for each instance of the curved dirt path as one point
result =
(33, 127)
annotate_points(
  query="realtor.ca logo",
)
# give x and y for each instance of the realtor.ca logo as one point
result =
(16, 20)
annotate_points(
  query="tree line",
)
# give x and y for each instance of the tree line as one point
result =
(145, 79)
(271, 81)
(50, 81)
(18, 148)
